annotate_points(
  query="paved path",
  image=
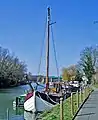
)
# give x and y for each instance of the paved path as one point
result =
(89, 110)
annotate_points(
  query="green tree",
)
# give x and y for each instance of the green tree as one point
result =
(65, 74)
(12, 70)
(78, 76)
(88, 61)
(69, 73)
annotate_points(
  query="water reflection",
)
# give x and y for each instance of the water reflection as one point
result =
(7, 96)
(23, 115)
(29, 116)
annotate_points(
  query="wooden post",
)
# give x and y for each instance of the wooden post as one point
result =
(17, 101)
(61, 108)
(89, 89)
(77, 98)
(72, 106)
(7, 113)
(81, 96)
(85, 92)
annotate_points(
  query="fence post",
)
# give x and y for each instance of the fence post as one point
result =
(7, 113)
(85, 92)
(77, 98)
(81, 96)
(72, 106)
(61, 108)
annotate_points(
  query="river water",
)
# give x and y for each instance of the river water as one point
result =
(6, 104)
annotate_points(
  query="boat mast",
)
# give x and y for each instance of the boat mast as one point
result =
(47, 52)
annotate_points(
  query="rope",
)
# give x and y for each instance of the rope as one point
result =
(39, 66)
(42, 47)
(55, 52)
(40, 85)
(51, 99)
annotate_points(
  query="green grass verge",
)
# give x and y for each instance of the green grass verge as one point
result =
(96, 85)
(54, 113)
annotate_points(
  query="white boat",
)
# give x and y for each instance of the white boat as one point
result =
(29, 116)
(39, 101)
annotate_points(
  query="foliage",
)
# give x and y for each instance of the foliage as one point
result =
(11, 69)
(65, 74)
(72, 70)
(69, 73)
(78, 76)
(88, 61)
(30, 76)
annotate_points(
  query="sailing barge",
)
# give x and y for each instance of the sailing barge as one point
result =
(36, 101)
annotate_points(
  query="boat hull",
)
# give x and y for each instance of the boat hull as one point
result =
(37, 103)
(29, 104)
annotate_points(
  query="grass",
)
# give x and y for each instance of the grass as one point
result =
(54, 113)
(96, 85)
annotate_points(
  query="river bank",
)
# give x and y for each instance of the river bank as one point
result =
(68, 113)
(5, 85)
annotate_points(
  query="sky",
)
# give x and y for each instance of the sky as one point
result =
(22, 29)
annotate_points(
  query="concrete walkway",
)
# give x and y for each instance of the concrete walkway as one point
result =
(89, 110)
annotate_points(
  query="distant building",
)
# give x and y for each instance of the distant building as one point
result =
(52, 79)
(42, 79)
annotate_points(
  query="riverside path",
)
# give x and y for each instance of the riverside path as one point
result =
(89, 110)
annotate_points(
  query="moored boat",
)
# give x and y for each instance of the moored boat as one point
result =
(36, 101)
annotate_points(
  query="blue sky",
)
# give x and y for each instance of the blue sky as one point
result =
(22, 24)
